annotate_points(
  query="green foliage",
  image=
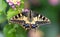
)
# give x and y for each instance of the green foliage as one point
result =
(14, 30)
(11, 13)
(11, 30)
(2, 18)
(3, 6)
(8, 31)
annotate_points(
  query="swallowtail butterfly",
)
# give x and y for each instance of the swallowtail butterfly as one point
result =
(30, 20)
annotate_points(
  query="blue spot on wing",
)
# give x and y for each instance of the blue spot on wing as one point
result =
(26, 25)
(34, 26)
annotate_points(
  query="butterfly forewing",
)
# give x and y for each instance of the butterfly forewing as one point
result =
(42, 20)
(17, 19)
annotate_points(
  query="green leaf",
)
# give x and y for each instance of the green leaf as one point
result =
(3, 6)
(7, 31)
(2, 18)
(11, 13)
(14, 30)
(22, 4)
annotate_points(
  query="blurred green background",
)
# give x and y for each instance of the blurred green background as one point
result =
(15, 30)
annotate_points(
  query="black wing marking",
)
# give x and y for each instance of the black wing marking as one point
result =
(42, 20)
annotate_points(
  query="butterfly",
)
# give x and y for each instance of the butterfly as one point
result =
(30, 20)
